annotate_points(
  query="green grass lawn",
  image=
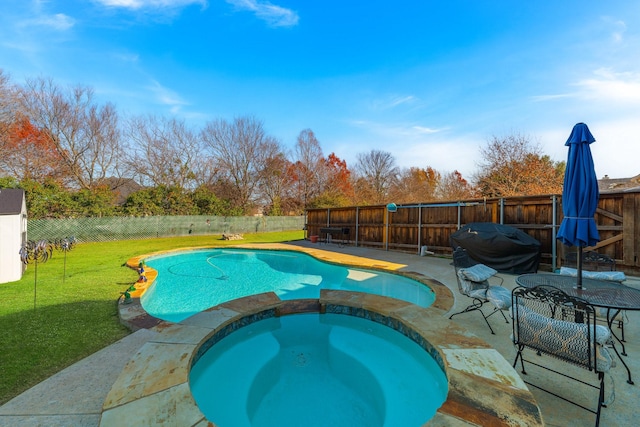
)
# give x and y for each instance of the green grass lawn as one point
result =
(78, 316)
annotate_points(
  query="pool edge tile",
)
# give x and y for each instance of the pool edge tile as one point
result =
(155, 367)
(174, 406)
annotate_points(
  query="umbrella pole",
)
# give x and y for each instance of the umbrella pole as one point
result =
(579, 267)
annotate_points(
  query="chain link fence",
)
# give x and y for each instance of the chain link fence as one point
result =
(128, 228)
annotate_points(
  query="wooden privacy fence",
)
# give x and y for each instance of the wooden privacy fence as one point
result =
(413, 226)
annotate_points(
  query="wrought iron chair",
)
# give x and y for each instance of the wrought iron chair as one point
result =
(548, 321)
(603, 267)
(473, 282)
(592, 261)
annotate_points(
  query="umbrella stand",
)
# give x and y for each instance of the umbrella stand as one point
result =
(579, 268)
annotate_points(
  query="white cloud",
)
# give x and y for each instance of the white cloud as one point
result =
(275, 16)
(392, 102)
(609, 85)
(542, 98)
(416, 145)
(614, 152)
(59, 22)
(444, 155)
(425, 130)
(398, 132)
(166, 96)
(619, 27)
(132, 58)
(401, 100)
(143, 4)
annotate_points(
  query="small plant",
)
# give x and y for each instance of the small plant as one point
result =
(127, 296)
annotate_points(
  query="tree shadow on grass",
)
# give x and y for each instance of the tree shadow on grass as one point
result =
(38, 343)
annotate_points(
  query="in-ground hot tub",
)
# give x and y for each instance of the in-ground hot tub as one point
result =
(317, 370)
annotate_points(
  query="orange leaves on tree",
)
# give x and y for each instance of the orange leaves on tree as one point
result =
(338, 175)
(29, 153)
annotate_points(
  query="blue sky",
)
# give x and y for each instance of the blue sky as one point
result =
(429, 81)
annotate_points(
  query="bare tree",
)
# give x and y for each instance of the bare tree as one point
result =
(276, 183)
(376, 172)
(240, 151)
(309, 167)
(7, 114)
(8, 102)
(163, 152)
(86, 135)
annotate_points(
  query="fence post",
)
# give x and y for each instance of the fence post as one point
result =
(419, 227)
(357, 224)
(554, 242)
(631, 228)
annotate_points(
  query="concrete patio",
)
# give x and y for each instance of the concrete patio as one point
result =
(75, 396)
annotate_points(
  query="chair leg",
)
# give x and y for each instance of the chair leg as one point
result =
(476, 306)
(477, 303)
(497, 310)
(487, 322)
(519, 356)
(600, 398)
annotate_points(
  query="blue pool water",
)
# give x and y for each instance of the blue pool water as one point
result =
(317, 370)
(193, 281)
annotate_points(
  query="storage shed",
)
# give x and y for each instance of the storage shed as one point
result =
(13, 233)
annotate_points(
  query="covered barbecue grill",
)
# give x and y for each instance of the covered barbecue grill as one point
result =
(504, 248)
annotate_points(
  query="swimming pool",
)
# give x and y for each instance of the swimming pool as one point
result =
(155, 385)
(317, 370)
(192, 281)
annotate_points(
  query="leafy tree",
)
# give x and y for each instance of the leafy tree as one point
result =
(95, 202)
(48, 200)
(415, 185)
(160, 200)
(513, 166)
(338, 176)
(453, 186)
(9, 182)
(28, 153)
(337, 190)
(209, 204)
(143, 203)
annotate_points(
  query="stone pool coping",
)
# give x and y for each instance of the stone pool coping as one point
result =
(153, 388)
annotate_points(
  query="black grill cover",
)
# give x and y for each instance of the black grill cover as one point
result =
(506, 249)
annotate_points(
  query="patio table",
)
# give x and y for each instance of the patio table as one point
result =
(612, 296)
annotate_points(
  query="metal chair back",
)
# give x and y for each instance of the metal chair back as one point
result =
(550, 322)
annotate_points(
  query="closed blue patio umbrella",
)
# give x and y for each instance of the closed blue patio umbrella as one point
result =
(579, 195)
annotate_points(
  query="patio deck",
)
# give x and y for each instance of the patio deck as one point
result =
(75, 396)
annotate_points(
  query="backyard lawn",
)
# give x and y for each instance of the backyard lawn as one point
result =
(77, 316)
